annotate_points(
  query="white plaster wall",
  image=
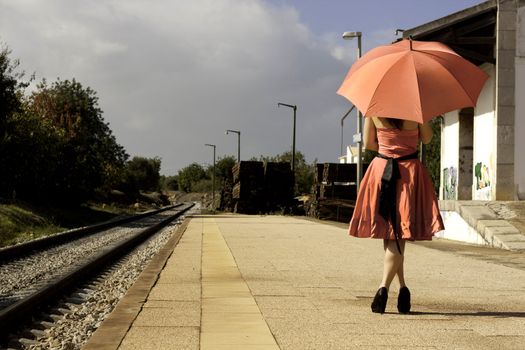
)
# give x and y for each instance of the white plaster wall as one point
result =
(519, 120)
(349, 157)
(449, 149)
(457, 229)
(485, 137)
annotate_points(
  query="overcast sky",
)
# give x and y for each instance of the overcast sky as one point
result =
(172, 75)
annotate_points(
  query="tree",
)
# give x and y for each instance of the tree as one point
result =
(190, 175)
(54, 143)
(31, 151)
(169, 183)
(11, 92)
(223, 174)
(141, 174)
(11, 88)
(304, 172)
(90, 156)
(223, 169)
(433, 153)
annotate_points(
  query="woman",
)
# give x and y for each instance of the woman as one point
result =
(396, 200)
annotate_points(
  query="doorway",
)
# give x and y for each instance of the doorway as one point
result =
(466, 153)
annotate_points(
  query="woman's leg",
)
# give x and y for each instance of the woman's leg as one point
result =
(393, 263)
(400, 269)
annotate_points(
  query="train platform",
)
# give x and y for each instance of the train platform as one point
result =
(275, 282)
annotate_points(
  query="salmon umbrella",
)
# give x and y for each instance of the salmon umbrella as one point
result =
(412, 80)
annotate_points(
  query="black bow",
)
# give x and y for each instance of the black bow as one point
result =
(387, 192)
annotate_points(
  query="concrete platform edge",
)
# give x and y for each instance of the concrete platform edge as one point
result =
(114, 328)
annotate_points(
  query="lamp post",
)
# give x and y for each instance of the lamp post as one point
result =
(342, 123)
(213, 178)
(294, 107)
(238, 143)
(358, 138)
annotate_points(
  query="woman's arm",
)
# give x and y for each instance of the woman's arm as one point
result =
(370, 135)
(425, 132)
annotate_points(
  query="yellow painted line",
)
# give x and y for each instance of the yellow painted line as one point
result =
(230, 317)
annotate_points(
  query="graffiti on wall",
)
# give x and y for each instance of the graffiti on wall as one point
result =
(483, 185)
(450, 179)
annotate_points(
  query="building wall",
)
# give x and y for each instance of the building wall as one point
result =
(519, 134)
(484, 143)
(506, 25)
(498, 171)
(485, 140)
(349, 157)
(466, 153)
(449, 156)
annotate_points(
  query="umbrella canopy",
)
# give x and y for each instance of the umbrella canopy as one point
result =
(412, 80)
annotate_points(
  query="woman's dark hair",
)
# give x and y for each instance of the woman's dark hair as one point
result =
(397, 123)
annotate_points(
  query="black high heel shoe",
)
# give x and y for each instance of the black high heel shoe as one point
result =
(403, 301)
(380, 299)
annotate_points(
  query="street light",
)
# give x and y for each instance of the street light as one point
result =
(358, 138)
(238, 143)
(342, 123)
(213, 178)
(294, 107)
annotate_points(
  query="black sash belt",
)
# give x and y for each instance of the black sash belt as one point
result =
(387, 193)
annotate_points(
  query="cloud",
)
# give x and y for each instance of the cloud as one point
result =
(174, 75)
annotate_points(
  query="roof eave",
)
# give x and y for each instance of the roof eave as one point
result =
(446, 21)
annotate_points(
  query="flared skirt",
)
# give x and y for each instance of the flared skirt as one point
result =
(417, 210)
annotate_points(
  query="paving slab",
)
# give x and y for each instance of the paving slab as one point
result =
(178, 315)
(161, 338)
(228, 327)
(275, 282)
(456, 296)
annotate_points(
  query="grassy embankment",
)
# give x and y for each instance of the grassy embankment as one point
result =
(20, 222)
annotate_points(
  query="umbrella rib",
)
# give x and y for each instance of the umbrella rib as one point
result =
(455, 80)
(391, 68)
(418, 90)
(472, 100)
(386, 88)
(358, 71)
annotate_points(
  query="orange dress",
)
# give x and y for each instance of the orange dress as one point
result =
(417, 211)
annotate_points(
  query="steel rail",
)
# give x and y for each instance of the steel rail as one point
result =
(12, 316)
(18, 250)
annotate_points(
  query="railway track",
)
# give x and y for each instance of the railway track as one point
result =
(18, 250)
(35, 277)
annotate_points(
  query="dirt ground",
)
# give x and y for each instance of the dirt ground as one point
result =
(203, 198)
